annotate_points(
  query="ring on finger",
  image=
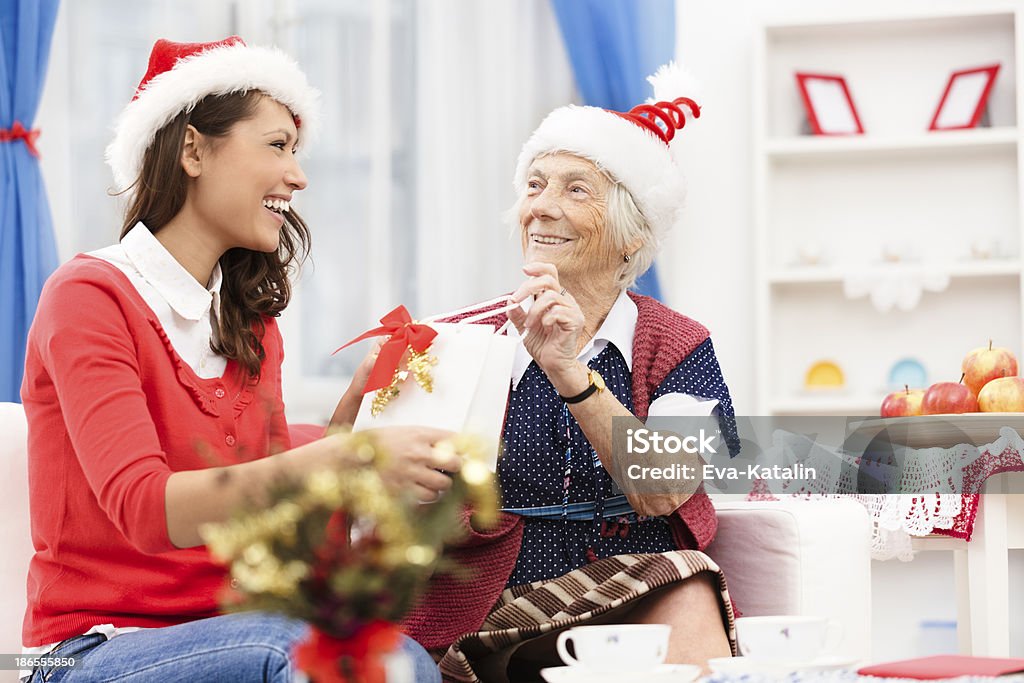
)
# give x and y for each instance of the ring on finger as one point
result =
(443, 452)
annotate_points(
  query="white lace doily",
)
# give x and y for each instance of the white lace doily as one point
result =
(896, 518)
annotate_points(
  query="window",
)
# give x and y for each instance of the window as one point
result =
(445, 93)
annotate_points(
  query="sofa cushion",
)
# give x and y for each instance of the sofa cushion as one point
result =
(14, 525)
(799, 557)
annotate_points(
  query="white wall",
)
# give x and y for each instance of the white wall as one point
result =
(707, 266)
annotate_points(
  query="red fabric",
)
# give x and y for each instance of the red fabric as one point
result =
(326, 659)
(166, 53)
(988, 464)
(944, 666)
(301, 434)
(457, 604)
(112, 411)
(17, 131)
(452, 607)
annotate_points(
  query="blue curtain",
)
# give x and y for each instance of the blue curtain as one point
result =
(613, 46)
(28, 253)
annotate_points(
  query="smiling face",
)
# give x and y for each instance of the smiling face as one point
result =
(245, 180)
(562, 218)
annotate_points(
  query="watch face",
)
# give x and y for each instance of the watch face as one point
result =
(598, 380)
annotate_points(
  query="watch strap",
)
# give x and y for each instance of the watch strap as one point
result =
(580, 396)
(596, 384)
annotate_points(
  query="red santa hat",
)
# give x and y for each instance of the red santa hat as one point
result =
(181, 74)
(634, 146)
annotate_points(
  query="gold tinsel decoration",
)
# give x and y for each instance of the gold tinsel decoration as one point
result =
(419, 364)
(337, 549)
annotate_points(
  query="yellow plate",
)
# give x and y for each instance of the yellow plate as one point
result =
(824, 375)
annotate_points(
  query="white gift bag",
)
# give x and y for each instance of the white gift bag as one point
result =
(471, 382)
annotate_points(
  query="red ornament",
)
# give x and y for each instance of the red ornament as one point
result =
(357, 659)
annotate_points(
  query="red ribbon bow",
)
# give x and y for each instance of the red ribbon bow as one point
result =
(19, 132)
(321, 655)
(404, 333)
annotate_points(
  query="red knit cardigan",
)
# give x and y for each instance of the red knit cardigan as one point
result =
(454, 606)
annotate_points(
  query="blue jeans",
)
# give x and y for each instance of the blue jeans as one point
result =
(251, 646)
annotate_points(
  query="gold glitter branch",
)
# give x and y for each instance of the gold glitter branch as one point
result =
(419, 364)
(337, 549)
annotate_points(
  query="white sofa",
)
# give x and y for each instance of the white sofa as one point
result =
(800, 557)
(779, 558)
(14, 526)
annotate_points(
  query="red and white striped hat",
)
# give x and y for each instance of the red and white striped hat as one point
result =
(182, 74)
(634, 146)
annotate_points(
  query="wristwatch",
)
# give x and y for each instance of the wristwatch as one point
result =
(596, 386)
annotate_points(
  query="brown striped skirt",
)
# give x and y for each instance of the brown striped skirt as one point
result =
(594, 593)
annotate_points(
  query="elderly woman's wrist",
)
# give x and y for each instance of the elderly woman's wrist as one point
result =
(569, 379)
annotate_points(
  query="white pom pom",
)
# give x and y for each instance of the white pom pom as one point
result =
(671, 81)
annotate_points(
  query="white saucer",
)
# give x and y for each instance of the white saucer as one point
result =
(750, 665)
(665, 673)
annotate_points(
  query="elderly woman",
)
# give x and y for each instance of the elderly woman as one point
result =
(597, 192)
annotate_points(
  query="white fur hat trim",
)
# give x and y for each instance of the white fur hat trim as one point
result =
(217, 71)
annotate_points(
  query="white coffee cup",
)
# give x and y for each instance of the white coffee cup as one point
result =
(793, 638)
(615, 647)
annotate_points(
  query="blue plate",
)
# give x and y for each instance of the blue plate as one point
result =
(908, 372)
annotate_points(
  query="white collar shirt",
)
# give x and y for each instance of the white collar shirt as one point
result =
(618, 329)
(185, 309)
(187, 312)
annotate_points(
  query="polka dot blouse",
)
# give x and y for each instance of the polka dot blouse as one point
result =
(574, 512)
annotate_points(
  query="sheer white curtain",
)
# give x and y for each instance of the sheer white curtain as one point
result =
(426, 104)
(487, 73)
(360, 203)
(101, 48)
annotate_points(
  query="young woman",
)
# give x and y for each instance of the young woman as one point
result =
(153, 382)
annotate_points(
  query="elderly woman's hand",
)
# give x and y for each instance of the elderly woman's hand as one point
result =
(554, 323)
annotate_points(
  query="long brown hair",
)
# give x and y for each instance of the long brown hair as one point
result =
(255, 284)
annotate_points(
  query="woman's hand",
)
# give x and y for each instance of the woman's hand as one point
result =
(411, 462)
(552, 328)
(410, 466)
(348, 407)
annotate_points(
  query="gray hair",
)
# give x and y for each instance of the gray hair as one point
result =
(627, 225)
(623, 219)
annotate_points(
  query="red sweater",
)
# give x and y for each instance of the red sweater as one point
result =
(452, 605)
(112, 412)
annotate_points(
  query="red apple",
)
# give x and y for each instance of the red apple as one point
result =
(903, 403)
(1002, 395)
(984, 364)
(944, 398)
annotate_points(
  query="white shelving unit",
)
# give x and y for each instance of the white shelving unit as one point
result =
(928, 196)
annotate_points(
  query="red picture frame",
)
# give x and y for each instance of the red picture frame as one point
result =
(964, 99)
(829, 105)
